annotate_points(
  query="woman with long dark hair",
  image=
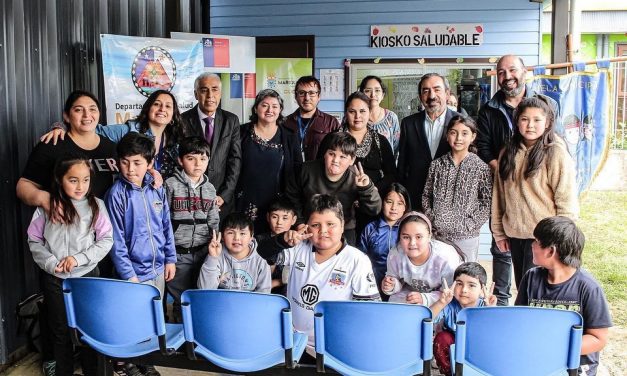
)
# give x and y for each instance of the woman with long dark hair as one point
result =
(381, 119)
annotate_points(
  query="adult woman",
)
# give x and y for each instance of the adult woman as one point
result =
(374, 154)
(160, 119)
(80, 114)
(382, 120)
(270, 153)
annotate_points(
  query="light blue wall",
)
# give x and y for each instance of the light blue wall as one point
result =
(342, 28)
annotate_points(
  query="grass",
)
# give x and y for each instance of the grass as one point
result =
(603, 219)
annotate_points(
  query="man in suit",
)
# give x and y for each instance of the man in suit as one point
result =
(221, 130)
(423, 135)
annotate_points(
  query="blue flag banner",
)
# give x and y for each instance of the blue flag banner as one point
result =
(584, 108)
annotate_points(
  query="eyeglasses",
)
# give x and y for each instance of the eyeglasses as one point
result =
(303, 93)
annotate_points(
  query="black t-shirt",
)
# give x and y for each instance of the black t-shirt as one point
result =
(40, 166)
(581, 293)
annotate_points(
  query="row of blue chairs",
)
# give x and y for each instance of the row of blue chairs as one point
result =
(246, 332)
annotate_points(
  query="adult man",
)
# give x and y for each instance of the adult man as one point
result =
(423, 136)
(221, 130)
(495, 126)
(307, 121)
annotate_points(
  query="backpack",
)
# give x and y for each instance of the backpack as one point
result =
(28, 313)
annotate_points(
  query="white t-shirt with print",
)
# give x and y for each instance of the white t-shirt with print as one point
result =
(345, 276)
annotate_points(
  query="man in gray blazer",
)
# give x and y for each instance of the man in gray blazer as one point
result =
(221, 130)
(423, 136)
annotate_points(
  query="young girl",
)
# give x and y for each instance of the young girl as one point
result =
(458, 191)
(418, 263)
(322, 265)
(380, 235)
(70, 248)
(535, 180)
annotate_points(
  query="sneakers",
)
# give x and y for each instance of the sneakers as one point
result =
(49, 368)
(149, 370)
(126, 369)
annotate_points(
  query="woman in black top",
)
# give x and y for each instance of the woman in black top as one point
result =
(270, 153)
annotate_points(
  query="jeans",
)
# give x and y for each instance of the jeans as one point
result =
(57, 320)
(522, 258)
(501, 274)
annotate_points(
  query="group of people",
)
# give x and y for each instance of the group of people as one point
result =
(368, 209)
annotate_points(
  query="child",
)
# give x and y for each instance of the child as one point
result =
(417, 265)
(193, 214)
(236, 265)
(559, 282)
(469, 283)
(143, 249)
(331, 175)
(458, 191)
(381, 235)
(70, 248)
(535, 180)
(281, 217)
(322, 266)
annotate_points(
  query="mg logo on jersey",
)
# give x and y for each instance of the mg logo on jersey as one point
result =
(309, 294)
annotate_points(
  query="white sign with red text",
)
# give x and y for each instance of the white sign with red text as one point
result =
(418, 35)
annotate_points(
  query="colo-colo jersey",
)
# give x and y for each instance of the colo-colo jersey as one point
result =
(345, 276)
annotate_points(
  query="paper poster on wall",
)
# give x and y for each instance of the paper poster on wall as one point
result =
(332, 82)
(135, 67)
(426, 35)
(281, 75)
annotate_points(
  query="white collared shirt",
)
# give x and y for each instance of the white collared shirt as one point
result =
(433, 130)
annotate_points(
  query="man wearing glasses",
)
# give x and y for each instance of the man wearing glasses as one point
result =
(307, 121)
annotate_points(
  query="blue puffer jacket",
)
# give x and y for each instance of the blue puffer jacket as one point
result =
(143, 241)
(376, 241)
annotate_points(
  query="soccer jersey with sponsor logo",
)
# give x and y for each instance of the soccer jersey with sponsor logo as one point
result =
(345, 276)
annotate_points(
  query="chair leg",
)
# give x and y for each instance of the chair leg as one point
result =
(105, 368)
(426, 368)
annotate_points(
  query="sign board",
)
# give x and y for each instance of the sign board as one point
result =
(420, 35)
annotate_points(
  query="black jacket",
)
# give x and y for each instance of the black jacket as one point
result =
(293, 158)
(226, 154)
(414, 156)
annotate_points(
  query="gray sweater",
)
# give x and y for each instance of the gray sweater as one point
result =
(192, 210)
(51, 242)
(252, 273)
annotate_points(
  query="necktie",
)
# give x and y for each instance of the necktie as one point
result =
(208, 129)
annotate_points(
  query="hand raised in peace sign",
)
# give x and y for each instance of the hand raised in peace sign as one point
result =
(215, 247)
(361, 179)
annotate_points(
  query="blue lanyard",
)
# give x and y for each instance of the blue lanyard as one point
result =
(302, 129)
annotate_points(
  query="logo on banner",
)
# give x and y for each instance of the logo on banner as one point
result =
(271, 81)
(153, 69)
(216, 52)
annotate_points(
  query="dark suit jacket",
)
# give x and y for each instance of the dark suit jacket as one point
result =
(226, 153)
(414, 156)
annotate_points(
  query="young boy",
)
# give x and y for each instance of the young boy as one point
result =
(236, 265)
(559, 282)
(143, 243)
(281, 217)
(469, 284)
(322, 266)
(331, 175)
(193, 213)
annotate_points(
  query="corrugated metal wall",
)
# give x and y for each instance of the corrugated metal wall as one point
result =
(47, 49)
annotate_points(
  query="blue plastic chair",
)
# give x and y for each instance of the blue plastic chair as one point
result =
(517, 341)
(240, 331)
(117, 318)
(373, 338)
